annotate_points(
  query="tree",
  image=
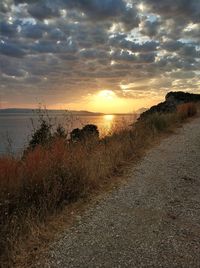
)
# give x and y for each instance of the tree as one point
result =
(90, 131)
(76, 135)
(41, 136)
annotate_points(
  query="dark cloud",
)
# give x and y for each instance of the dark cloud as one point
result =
(184, 9)
(76, 47)
(172, 45)
(8, 29)
(33, 31)
(56, 34)
(150, 28)
(25, 1)
(53, 47)
(123, 56)
(147, 58)
(121, 42)
(182, 75)
(93, 54)
(114, 10)
(184, 49)
(43, 10)
(98, 9)
(11, 50)
(8, 68)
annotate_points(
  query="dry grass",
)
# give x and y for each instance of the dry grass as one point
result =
(49, 177)
(187, 110)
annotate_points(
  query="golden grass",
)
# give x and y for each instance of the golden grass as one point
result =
(186, 110)
(48, 177)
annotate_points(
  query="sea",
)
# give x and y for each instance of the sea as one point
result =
(17, 128)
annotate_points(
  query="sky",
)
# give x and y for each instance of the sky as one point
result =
(98, 55)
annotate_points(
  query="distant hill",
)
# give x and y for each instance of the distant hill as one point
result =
(49, 111)
(182, 97)
(58, 112)
(172, 99)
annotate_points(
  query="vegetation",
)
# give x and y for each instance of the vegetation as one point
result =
(41, 136)
(87, 132)
(49, 176)
(186, 110)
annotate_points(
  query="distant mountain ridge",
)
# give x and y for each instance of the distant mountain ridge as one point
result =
(29, 110)
(50, 111)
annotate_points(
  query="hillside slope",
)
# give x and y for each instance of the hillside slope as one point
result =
(152, 221)
(172, 100)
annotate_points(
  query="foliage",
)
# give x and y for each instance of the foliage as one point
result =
(41, 136)
(88, 132)
(76, 135)
(157, 122)
(60, 132)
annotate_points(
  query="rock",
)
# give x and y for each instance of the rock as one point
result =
(172, 99)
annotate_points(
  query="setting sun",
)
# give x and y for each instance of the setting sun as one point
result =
(107, 94)
(106, 101)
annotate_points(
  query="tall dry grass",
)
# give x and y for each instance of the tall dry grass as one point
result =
(62, 172)
(186, 110)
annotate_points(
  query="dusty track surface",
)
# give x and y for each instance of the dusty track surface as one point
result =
(152, 221)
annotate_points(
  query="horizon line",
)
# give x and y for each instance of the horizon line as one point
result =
(67, 110)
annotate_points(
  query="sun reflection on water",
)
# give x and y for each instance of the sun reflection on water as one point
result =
(108, 123)
(108, 117)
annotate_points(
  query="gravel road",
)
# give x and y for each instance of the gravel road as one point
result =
(152, 221)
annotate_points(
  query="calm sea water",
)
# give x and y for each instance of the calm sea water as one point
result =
(16, 128)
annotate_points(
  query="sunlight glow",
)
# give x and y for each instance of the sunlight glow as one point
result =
(191, 26)
(46, 22)
(107, 94)
(141, 7)
(107, 101)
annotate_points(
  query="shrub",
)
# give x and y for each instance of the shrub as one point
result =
(76, 135)
(41, 136)
(88, 132)
(157, 122)
(60, 132)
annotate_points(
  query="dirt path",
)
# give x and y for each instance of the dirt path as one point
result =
(153, 221)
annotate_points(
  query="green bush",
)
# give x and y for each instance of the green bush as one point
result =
(41, 136)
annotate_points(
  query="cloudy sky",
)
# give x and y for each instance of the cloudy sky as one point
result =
(99, 55)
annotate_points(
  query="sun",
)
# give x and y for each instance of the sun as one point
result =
(106, 94)
(106, 101)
